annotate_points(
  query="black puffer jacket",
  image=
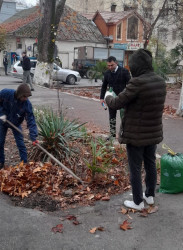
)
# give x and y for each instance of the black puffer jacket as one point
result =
(143, 100)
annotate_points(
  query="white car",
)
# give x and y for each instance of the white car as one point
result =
(59, 74)
(17, 70)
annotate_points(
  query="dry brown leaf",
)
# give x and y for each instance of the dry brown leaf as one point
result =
(98, 197)
(99, 159)
(57, 229)
(152, 209)
(116, 182)
(76, 222)
(91, 196)
(144, 212)
(125, 225)
(105, 198)
(132, 210)
(129, 217)
(93, 230)
(127, 187)
(124, 210)
(101, 228)
(71, 217)
(38, 169)
(115, 161)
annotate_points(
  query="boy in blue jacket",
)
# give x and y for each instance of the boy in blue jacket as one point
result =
(16, 107)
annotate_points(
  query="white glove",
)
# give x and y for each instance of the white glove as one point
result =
(3, 118)
(108, 94)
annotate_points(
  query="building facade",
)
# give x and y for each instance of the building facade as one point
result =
(76, 31)
(122, 30)
(168, 29)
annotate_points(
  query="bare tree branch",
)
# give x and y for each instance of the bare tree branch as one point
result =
(148, 32)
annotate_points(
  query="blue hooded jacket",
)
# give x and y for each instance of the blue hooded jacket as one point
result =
(16, 111)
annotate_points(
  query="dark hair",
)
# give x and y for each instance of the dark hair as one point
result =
(24, 52)
(111, 58)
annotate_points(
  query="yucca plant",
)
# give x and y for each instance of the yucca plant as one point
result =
(57, 134)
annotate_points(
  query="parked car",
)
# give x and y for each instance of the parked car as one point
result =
(17, 70)
(59, 74)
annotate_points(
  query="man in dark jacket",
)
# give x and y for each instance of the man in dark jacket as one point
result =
(26, 65)
(5, 63)
(143, 100)
(117, 78)
(15, 107)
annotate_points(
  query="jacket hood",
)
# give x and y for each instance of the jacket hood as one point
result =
(140, 62)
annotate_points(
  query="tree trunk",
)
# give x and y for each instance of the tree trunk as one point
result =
(1, 2)
(180, 108)
(51, 11)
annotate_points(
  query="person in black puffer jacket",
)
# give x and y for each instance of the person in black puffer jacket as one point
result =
(26, 65)
(141, 130)
(117, 78)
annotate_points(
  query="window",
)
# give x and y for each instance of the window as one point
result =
(19, 46)
(118, 31)
(132, 29)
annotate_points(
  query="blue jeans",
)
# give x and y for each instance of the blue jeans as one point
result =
(136, 155)
(19, 141)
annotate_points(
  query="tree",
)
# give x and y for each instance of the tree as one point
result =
(51, 11)
(170, 13)
(2, 38)
(177, 53)
(1, 2)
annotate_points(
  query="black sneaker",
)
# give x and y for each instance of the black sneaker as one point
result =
(32, 89)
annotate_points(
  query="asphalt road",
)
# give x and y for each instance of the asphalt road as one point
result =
(27, 229)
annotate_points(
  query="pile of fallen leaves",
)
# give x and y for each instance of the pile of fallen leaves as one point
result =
(24, 179)
(36, 180)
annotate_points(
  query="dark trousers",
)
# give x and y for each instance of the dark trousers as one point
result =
(136, 155)
(5, 69)
(112, 122)
(19, 141)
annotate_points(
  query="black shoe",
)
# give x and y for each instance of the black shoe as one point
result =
(32, 89)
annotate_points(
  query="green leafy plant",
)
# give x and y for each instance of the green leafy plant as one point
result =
(57, 134)
(101, 155)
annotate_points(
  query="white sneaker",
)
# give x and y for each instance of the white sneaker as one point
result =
(131, 204)
(149, 200)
